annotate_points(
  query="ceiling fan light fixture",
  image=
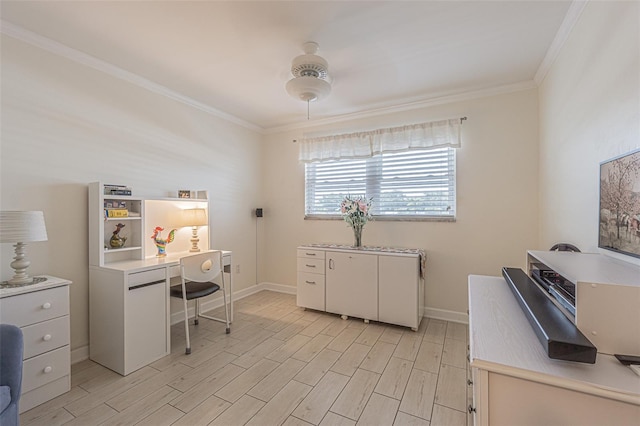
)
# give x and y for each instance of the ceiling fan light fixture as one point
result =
(311, 74)
(308, 89)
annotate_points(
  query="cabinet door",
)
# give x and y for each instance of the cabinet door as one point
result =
(352, 284)
(146, 323)
(398, 282)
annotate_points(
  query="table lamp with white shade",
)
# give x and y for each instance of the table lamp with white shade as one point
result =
(21, 227)
(194, 218)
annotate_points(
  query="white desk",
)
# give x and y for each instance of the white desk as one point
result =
(172, 261)
(129, 311)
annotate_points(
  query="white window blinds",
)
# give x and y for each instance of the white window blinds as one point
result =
(412, 184)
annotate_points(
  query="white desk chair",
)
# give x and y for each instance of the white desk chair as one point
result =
(197, 273)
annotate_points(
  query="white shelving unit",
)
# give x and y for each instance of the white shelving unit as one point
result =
(101, 228)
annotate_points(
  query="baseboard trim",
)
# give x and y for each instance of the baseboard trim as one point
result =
(280, 288)
(443, 314)
(79, 354)
(177, 317)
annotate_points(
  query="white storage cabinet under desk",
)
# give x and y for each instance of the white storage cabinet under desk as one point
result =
(368, 283)
(129, 317)
(129, 310)
(42, 312)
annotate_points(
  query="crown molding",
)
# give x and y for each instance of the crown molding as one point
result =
(19, 33)
(570, 19)
(47, 44)
(442, 99)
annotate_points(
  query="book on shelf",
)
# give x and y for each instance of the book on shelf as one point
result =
(116, 213)
(116, 190)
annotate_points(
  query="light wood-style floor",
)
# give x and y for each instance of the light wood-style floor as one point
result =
(280, 365)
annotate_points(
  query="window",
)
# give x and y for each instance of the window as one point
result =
(408, 185)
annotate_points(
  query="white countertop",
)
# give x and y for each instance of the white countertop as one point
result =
(502, 341)
(50, 282)
(377, 249)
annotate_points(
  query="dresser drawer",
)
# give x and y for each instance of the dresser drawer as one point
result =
(45, 368)
(45, 336)
(315, 266)
(310, 291)
(38, 306)
(313, 254)
(146, 277)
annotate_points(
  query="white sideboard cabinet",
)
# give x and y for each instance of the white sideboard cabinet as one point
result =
(372, 283)
(41, 310)
(516, 383)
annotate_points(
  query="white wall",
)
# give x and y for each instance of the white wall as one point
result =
(589, 112)
(65, 125)
(497, 199)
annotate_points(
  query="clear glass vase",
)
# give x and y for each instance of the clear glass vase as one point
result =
(357, 235)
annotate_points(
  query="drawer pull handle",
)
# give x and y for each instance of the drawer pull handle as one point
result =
(310, 254)
(310, 282)
(46, 337)
(310, 266)
(48, 369)
(471, 409)
(46, 305)
(469, 382)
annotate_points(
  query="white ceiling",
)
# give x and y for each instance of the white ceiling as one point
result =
(234, 56)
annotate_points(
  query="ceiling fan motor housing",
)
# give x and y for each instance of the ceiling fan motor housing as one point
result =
(311, 73)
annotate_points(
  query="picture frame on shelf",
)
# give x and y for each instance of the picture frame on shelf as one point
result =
(185, 193)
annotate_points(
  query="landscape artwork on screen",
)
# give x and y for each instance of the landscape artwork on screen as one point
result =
(620, 204)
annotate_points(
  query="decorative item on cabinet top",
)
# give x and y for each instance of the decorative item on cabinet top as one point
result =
(193, 195)
(356, 211)
(421, 252)
(21, 227)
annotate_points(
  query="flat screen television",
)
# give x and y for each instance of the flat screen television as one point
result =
(620, 204)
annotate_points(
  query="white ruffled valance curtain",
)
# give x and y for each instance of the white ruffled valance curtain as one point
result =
(435, 134)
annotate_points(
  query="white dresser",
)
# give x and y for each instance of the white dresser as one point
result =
(372, 283)
(42, 312)
(516, 383)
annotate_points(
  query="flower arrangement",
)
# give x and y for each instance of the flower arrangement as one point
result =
(356, 211)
